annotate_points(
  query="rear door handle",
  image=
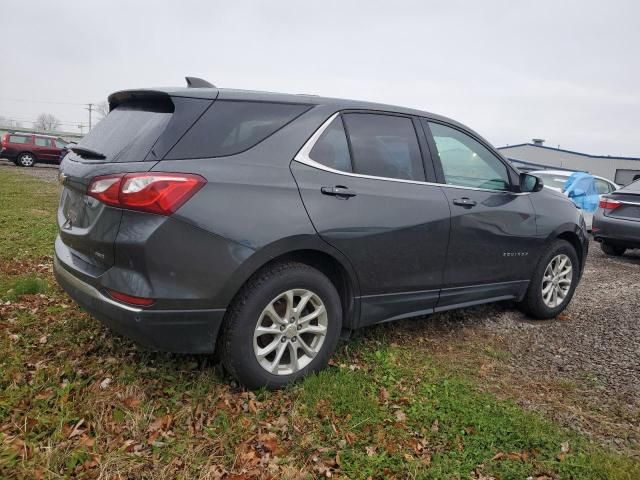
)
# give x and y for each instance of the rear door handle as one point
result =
(465, 202)
(338, 191)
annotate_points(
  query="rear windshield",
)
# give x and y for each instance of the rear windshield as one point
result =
(230, 127)
(127, 133)
(631, 188)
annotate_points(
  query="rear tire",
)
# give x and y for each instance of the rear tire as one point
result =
(612, 250)
(549, 292)
(290, 310)
(26, 160)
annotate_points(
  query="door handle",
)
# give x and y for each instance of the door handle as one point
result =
(338, 191)
(465, 202)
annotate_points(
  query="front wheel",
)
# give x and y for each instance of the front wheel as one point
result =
(553, 283)
(284, 324)
(26, 160)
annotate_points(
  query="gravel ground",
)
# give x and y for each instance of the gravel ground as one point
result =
(599, 337)
(48, 173)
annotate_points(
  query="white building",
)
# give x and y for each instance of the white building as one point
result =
(536, 155)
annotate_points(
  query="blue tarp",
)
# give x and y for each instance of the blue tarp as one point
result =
(581, 189)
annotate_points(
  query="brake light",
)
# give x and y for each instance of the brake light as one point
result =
(609, 204)
(160, 193)
(130, 299)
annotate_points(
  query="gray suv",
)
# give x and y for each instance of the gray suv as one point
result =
(266, 226)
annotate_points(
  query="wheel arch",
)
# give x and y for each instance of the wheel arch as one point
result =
(576, 237)
(310, 251)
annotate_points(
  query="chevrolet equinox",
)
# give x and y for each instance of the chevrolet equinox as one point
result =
(265, 226)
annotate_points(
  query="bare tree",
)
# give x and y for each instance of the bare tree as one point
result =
(102, 109)
(46, 122)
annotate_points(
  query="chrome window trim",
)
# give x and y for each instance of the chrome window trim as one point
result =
(303, 157)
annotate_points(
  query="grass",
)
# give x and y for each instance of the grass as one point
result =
(77, 401)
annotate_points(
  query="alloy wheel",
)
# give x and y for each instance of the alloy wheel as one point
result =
(290, 332)
(26, 160)
(556, 281)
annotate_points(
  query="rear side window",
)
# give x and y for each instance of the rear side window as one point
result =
(602, 186)
(384, 146)
(43, 142)
(18, 139)
(332, 149)
(231, 127)
(127, 133)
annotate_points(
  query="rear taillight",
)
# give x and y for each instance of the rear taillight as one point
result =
(608, 204)
(160, 193)
(130, 299)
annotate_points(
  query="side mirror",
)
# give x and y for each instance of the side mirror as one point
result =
(530, 183)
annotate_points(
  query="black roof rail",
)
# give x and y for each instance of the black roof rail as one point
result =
(195, 82)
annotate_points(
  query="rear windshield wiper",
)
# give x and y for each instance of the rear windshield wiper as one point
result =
(87, 152)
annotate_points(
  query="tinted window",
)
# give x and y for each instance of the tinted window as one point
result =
(332, 149)
(18, 139)
(229, 127)
(384, 146)
(466, 162)
(43, 142)
(127, 133)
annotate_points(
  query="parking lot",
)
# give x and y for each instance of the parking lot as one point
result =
(580, 370)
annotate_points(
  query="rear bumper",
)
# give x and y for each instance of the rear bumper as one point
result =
(8, 154)
(616, 231)
(180, 331)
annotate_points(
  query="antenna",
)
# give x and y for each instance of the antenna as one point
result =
(195, 82)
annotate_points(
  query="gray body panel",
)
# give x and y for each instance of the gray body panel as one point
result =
(404, 248)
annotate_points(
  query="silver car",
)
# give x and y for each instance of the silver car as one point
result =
(555, 180)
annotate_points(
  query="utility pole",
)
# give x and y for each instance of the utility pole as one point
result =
(90, 108)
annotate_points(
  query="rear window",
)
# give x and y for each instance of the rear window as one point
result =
(230, 127)
(127, 133)
(631, 188)
(18, 139)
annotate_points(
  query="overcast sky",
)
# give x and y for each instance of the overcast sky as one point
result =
(565, 71)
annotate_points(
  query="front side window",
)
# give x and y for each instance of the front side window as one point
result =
(332, 149)
(60, 143)
(230, 127)
(466, 162)
(384, 146)
(42, 142)
(18, 139)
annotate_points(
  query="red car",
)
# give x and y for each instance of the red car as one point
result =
(25, 149)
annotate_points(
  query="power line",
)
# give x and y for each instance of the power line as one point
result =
(38, 101)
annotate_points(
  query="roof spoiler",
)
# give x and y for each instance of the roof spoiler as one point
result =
(153, 99)
(195, 82)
